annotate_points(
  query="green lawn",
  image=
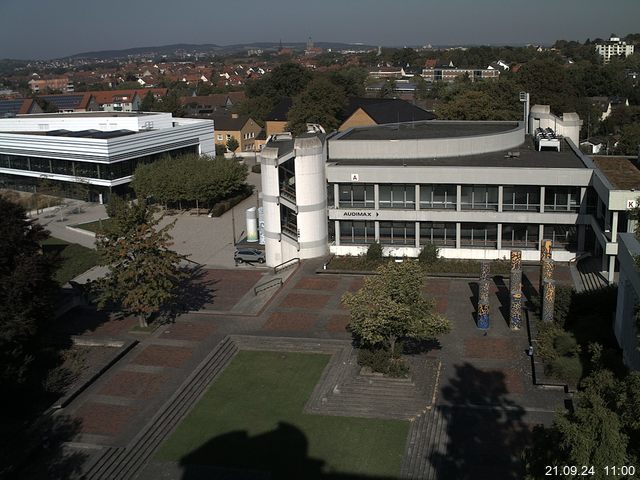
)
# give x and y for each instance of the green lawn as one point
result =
(252, 418)
(94, 226)
(74, 259)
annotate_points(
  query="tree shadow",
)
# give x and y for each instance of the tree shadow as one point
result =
(193, 293)
(484, 433)
(282, 453)
(39, 452)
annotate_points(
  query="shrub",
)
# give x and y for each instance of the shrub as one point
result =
(398, 368)
(562, 306)
(256, 168)
(374, 252)
(566, 345)
(547, 333)
(568, 369)
(377, 359)
(428, 254)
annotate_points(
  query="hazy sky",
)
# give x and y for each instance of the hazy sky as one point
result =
(55, 28)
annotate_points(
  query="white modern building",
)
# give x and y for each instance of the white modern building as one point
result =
(474, 189)
(614, 47)
(97, 149)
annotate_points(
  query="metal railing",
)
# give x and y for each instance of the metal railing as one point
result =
(285, 265)
(274, 282)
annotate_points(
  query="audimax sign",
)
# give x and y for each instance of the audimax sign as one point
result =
(359, 214)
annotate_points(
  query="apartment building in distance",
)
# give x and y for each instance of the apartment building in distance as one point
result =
(241, 127)
(38, 85)
(449, 73)
(614, 47)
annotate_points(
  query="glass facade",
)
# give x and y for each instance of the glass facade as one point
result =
(356, 196)
(484, 235)
(443, 234)
(562, 199)
(397, 196)
(438, 196)
(479, 197)
(520, 236)
(398, 233)
(360, 233)
(562, 236)
(521, 198)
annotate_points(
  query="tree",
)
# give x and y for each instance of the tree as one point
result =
(232, 144)
(144, 273)
(27, 294)
(629, 143)
(388, 89)
(220, 150)
(390, 306)
(469, 105)
(321, 102)
(148, 103)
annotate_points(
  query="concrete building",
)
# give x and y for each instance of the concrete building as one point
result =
(98, 151)
(451, 73)
(63, 84)
(474, 189)
(614, 47)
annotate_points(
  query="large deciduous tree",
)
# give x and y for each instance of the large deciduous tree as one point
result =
(390, 306)
(144, 273)
(321, 102)
(27, 293)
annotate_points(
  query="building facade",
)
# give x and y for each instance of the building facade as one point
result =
(476, 190)
(614, 47)
(95, 153)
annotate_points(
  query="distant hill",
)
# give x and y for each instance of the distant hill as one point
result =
(184, 48)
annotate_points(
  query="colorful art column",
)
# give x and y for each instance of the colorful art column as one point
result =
(515, 313)
(545, 253)
(483, 304)
(485, 270)
(515, 279)
(548, 300)
(547, 267)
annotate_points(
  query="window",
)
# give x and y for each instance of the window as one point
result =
(330, 197)
(398, 233)
(520, 236)
(482, 235)
(562, 199)
(438, 196)
(356, 196)
(397, 196)
(522, 198)
(479, 197)
(357, 232)
(561, 236)
(443, 234)
(220, 136)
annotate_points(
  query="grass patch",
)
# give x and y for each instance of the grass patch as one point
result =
(252, 418)
(96, 226)
(74, 259)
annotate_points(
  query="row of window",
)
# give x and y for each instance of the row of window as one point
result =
(473, 197)
(444, 234)
(110, 171)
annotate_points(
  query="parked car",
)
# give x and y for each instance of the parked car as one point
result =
(248, 255)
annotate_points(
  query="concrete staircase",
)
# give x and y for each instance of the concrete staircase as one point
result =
(124, 463)
(589, 274)
(426, 444)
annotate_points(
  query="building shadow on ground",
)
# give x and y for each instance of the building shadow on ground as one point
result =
(504, 297)
(281, 454)
(485, 433)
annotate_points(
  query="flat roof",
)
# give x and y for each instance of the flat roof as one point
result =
(528, 157)
(430, 129)
(99, 134)
(621, 171)
(88, 114)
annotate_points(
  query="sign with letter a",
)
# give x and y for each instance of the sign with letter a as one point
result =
(355, 177)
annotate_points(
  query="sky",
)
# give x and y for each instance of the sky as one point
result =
(43, 29)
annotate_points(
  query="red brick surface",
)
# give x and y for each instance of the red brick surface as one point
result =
(317, 284)
(188, 331)
(228, 286)
(290, 321)
(493, 348)
(303, 300)
(103, 419)
(436, 287)
(338, 323)
(163, 356)
(513, 381)
(133, 384)
(356, 284)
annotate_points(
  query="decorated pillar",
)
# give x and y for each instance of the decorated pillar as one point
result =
(515, 312)
(547, 268)
(548, 300)
(483, 304)
(515, 278)
(485, 270)
(545, 253)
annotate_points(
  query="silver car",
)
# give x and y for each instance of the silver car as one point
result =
(248, 255)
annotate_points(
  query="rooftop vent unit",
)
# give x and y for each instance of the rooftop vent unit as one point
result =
(512, 155)
(547, 138)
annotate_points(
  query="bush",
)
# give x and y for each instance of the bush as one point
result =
(428, 255)
(568, 369)
(398, 368)
(374, 252)
(562, 306)
(547, 333)
(256, 168)
(377, 359)
(566, 345)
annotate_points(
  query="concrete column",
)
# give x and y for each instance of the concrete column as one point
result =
(458, 199)
(417, 234)
(612, 268)
(583, 200)
(607, 220)
(581, 237)
(458, 228)
(614, 227)
(376, 200)
(500, 199)
(540, 236)
(337, 230)
(336, 195)
(499, 244)
(417, 200)
(541, 202)
(604, 262)
(599, 208)
(377, 230)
